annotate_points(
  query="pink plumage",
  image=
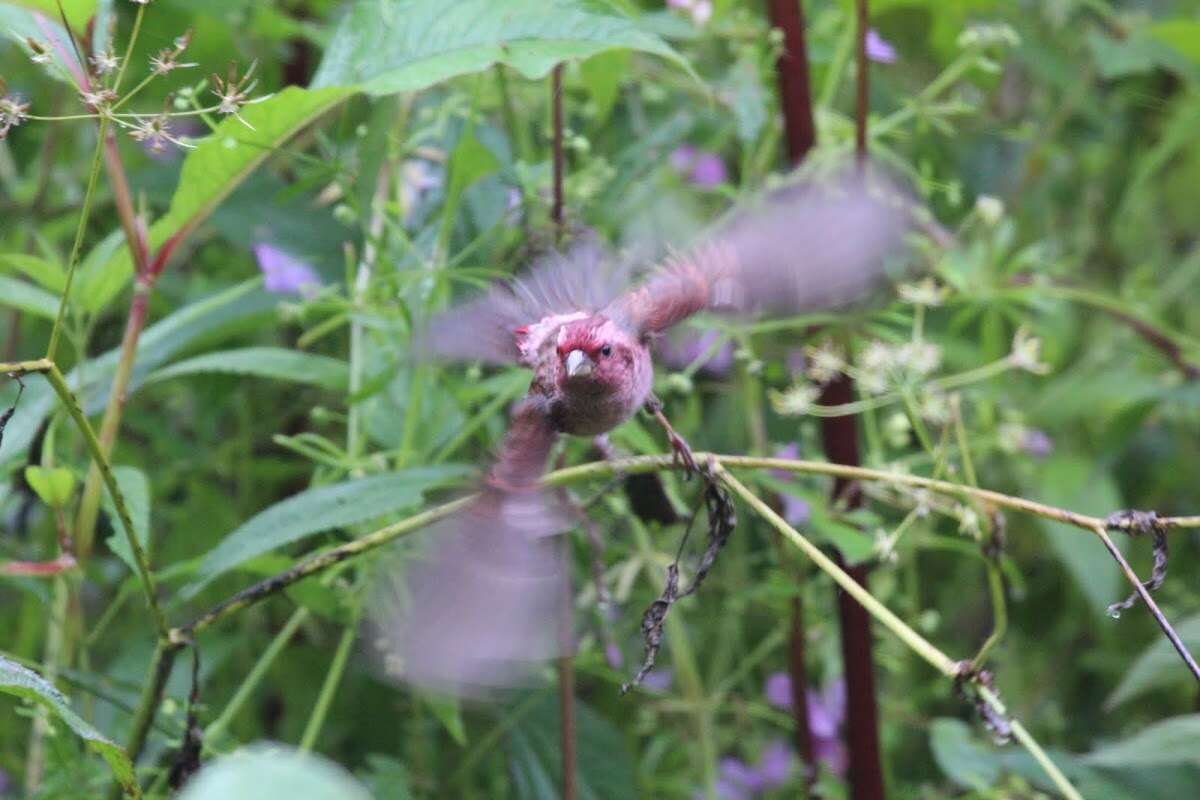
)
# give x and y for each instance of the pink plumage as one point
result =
(480, 612)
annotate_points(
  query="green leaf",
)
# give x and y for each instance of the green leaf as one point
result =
(386, 46)
(96, 282)
(317, 510)
(47, 273)
(265, 362)
(1078, 484)
(225, 313)
(961, 757)
(135, 488)
(78, 12)
(448, 711)
(602, 76)
(222, 160)
(1171, 741)
(28, 298)
(1182, 34)
(856, 546)
(604, 765)
(273, 772)
(54, 486)
(1158, 665)
(20, 682)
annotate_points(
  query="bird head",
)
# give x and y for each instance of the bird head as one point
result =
(595, 354)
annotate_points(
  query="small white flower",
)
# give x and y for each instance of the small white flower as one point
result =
(990, 209)
(968, 521)
(1026, 353)
(99, 100)
(12, 113)
(155, 133)
(934, 408)
(876, 356)
(796, 401)
(104, 63)
(926, 293)
(825, 363)
(921, 358)
(922, 503)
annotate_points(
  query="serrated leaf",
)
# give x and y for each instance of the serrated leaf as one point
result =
(1170, 741)
(1158, 665)
(273, 772)
(20, 682)
(27, 298)
(222, 160)
(265, 362)
(387, 46)
(135, 488)
(53, 486)
(317, 510)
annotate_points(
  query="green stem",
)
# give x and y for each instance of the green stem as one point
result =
(80, 230)
(69, 401)
(337, 668)
(133, 35)
(214, 731)
(147, 707)
(921, 646)
(1030, 744)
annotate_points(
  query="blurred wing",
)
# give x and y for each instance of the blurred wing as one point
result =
(585, 278)
(819, 244)
(480, 612)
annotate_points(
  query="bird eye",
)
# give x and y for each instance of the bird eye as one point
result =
(606, 350)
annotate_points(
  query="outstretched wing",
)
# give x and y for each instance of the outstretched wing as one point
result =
(819, 244)
(480, 611)
(586, 278)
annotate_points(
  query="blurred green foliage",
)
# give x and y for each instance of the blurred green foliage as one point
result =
(1056, 141)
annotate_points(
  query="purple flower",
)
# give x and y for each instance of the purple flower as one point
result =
(737, 780)
(778, 690)
(795, 510)
(614, 656)
(283, 273)
(1037, 443)
(879, 49)
(826, 713)
(775, 764)
(699, 167)
(659, 680)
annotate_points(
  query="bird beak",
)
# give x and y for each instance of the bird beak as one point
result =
(578, 364)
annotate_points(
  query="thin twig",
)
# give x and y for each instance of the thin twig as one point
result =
(640, 464)
(1144, 593)
(921, 646)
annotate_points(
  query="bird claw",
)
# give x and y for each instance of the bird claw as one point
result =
(681, 456)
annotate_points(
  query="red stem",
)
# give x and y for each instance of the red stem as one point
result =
(840, 438)
(795, 99)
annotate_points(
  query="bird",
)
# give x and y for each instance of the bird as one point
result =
(481, 611)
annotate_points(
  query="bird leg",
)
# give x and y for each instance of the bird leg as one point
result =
(681, 451)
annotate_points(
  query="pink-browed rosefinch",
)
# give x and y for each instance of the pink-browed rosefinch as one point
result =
(483, 607)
